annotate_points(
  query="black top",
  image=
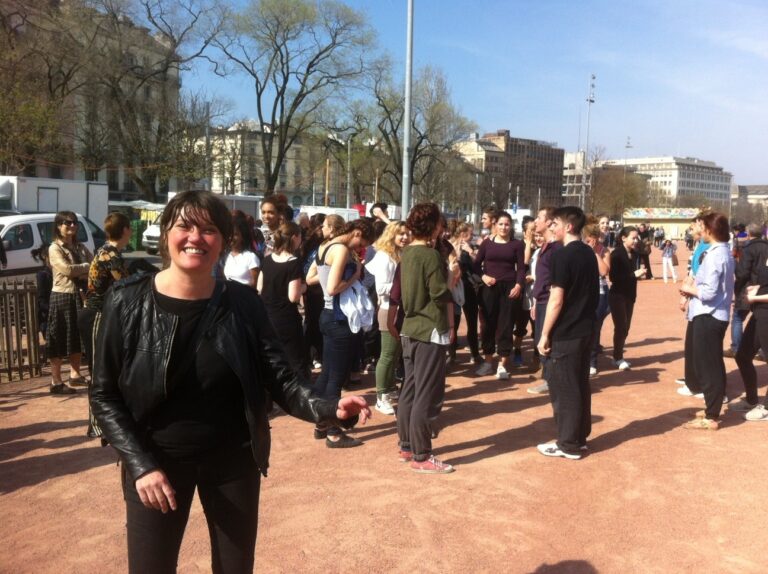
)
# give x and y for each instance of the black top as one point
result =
(622, 275)
(502, 261)
(574, 268)
(205, 408)
(277, 276)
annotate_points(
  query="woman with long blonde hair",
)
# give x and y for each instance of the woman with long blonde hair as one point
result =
(383, 265)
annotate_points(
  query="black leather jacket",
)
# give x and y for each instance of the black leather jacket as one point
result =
(131, 356)
(753, 256)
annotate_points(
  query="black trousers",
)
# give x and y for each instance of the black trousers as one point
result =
(754, 338)
(688, 370)
(501, 314)
(313, 306)
(228, 485)
(422, 395)
(707, 362)
(621, 313)
(470, 313)
(568, 380)
(646, 260)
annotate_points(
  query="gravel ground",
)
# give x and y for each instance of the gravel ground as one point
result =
(650, 497)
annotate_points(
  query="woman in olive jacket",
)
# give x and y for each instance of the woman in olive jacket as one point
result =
(183, 367)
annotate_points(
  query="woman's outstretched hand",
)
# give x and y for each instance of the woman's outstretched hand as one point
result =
(351, 406)
(155, 491)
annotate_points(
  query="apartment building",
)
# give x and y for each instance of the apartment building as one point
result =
(672, 178)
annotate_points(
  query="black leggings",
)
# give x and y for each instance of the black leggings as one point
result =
(621, 313)
(501, 314)
(228, 486)
(754, 338)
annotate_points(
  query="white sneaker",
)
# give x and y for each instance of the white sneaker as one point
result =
(317, 365)
(551, 449)
(384, 405)
(501, 373)
(485, 369)
(622, 365)
(680, 381)
(686, 392)
(759, 413)
(592, 372)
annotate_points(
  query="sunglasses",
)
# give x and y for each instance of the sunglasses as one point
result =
(69, 223)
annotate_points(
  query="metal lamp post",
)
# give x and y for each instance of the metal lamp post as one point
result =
(590, 101)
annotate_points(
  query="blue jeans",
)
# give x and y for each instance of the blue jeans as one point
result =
(338, 342)
(737, 327)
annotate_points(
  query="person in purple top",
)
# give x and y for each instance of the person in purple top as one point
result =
(500, 262)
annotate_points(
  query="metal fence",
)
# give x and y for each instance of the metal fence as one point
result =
(19, 340)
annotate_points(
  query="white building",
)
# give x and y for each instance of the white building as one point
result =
(676, 177)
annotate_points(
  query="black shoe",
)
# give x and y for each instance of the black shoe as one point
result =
(320, 433)
(343, 442)
(62, 389)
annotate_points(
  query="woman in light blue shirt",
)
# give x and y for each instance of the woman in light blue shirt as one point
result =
(710, 293)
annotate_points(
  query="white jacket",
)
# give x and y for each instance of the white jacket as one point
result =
(382, 267)
(356, 306)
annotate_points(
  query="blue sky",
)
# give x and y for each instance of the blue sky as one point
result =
(679, 77)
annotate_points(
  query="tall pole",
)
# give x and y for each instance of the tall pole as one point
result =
(517, 198)
(327, 178)
(590, 101)
(349, 170)
(207, 183)
(538, 204)
(627, 147)
(406, 192)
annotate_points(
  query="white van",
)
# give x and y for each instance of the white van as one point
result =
(22, 233)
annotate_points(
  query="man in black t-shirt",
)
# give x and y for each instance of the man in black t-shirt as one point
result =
(567, 332)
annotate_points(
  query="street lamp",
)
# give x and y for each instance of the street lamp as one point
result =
(627, 147)
(590, 101)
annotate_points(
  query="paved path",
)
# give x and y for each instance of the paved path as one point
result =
(650, 498)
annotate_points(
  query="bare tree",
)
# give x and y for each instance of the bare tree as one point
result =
(300, 55)
(436, 124)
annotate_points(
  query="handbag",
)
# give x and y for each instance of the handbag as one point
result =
(675, 261)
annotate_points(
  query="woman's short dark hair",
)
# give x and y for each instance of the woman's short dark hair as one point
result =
(717, 225)
(284, 235)
(241, 225)
(363, 225)
(423, 219)
(60, 218)
(114, 225)
(197, 207)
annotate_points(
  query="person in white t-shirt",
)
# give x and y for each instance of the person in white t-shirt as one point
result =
(242, 264)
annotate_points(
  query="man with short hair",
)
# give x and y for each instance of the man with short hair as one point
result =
(541, 287)
(754, 253)
(567, 333)
(644, 248)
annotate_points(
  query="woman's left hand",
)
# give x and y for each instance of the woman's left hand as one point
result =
(515, 292)
(351, 406)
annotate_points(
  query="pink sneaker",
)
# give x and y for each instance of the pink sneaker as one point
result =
(405, 456)
(431, 466)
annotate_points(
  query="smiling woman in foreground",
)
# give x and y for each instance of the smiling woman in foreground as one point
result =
(183, 367)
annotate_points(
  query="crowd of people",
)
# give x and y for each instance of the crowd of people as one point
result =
(251, 317)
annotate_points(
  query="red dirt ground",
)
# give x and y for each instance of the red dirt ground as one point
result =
(651, 497)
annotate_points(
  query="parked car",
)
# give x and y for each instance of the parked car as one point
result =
(151, 236)
(22, 233)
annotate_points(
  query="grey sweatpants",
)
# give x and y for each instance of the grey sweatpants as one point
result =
(422, 395)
